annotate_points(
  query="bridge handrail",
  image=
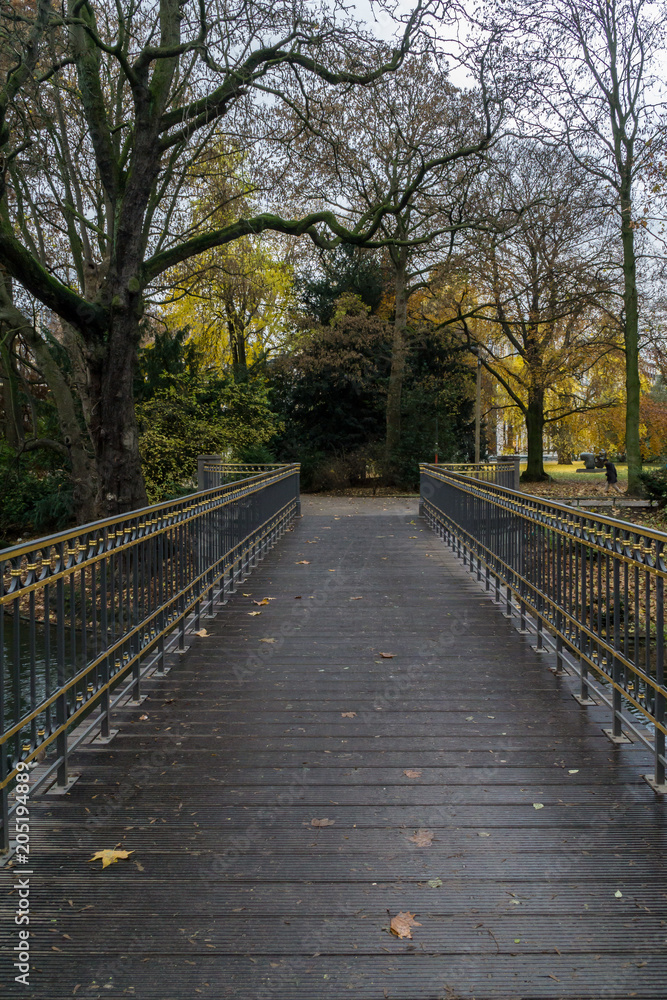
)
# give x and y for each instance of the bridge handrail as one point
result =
(588, 585)
(213, 470)
(102, 601)
(504, 471)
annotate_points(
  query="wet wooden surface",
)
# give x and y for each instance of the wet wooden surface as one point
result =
(277, 719)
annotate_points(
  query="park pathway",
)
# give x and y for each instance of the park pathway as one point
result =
(375, 739)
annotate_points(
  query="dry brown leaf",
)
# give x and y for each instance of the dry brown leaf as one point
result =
(356, 598)
(322, 822)
(302, 562)
(387, 656)
(267, 640)
(109, 857)
(422, 838)
(401, 925)
(202, 632)
(253, 614)
(143, 718)
(263, 601)
(411, 773)
(348, 715)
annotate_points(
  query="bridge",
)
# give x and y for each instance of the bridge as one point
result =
(387, 748)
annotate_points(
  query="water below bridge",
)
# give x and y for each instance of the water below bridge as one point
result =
(374, 740)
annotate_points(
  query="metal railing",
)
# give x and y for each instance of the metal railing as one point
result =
(590, 587)
(503, 472)
(87, 613)
(212, 470)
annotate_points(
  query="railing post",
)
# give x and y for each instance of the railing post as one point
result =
(204, 477)
(297, 488)
(61, 702)
(516, 460)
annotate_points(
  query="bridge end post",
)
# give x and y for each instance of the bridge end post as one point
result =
(203, 476)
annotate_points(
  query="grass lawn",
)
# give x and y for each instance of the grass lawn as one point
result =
(569, 482)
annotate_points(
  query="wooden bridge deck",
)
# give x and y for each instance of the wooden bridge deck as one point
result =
(539, 873)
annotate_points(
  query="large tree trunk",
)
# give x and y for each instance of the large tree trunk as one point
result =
(631, 337)
(534, 415)
(398, 355)
(113, 428)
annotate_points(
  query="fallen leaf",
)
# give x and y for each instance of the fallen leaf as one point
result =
(142, 718)
(387, 656)
(302, 562)
(483, 833)
(434, 883)
(202, 632)
(517, 940)
(348, 715)
(110, 857)
(264, 601)
(410, 773)
(618, 894)
(401, 925)
(356, 598)
(538, 805)
(332, 570)
(422, 838)
(267, 640)
(575, 771)
(322, 822)
(253, 614)
(298, 597)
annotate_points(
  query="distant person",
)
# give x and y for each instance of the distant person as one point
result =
(612, 477)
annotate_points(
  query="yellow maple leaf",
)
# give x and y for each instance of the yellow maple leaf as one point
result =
(110, 857)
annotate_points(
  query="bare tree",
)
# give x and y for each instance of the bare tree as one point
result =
(542, 290)
(595, 72)
(412, 132)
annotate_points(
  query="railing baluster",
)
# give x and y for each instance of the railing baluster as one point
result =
(117, 597)
(590, 588)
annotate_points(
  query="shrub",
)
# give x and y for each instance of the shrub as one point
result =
(32, 504)
(655, 485)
